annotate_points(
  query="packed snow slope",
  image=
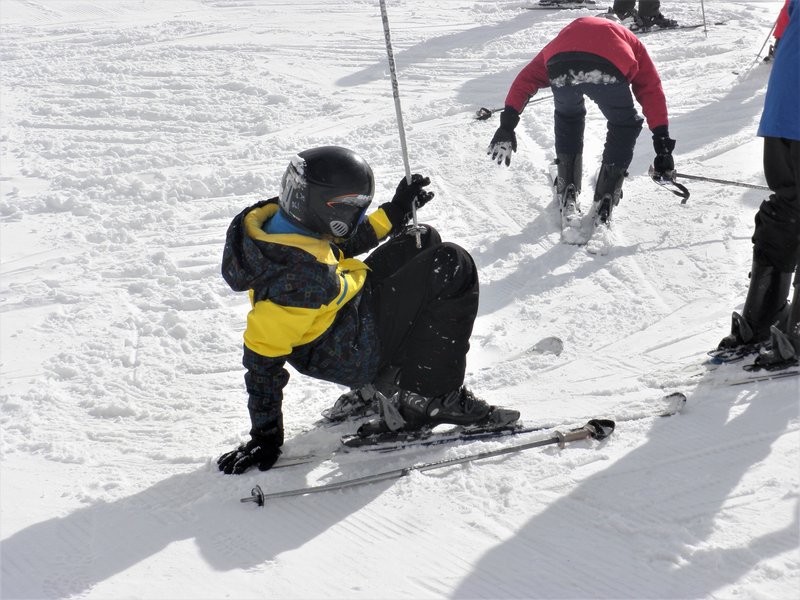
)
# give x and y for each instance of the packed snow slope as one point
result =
(134, 130)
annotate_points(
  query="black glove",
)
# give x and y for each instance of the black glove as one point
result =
(663, 163)
(504, 141)
(261, 451)
(399, 209)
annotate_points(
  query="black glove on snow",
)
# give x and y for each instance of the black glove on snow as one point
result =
(504, 141)
(399, 209)
(261, 451)
(663, 163)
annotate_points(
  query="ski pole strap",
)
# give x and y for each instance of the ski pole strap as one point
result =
(681, 191)
(670, 184)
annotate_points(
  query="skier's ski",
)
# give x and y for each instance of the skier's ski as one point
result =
(565, 5)
(727, 374)
(720, 356)
(760, 376)
(596, 429)
(548, 345)
(391, 441)
(666, 406)
(656, 29)
(572, 229)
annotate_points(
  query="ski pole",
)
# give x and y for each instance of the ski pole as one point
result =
(723, 181)
(484, 113)
(766, 39)
(396, 93)
(596, 429)
(703, 8)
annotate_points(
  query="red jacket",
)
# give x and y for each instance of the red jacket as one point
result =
(783, 19)
(609, 40)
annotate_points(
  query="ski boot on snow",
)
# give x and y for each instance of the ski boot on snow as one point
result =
(764, 306)
(409, 411)
(629, 18)
(360, 402)
(607, 193)
(784, 349)
(568, 188)
(657, 20)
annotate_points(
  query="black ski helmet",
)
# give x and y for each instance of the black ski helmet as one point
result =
(327, 190)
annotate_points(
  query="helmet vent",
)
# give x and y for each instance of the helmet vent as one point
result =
(339, 228)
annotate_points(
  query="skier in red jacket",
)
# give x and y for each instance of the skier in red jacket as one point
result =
(601, 59)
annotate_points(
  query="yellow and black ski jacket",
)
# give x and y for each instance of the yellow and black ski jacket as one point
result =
(310, 305)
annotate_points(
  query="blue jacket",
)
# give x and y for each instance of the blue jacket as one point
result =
(781, 116)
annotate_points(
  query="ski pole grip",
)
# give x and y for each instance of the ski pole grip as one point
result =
(256, 495)
(573, 435)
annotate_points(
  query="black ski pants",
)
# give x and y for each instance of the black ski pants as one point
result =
(647, 8)
(574, 75)
(776, 239)
(425, 300)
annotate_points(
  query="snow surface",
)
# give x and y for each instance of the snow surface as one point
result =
(134, 130)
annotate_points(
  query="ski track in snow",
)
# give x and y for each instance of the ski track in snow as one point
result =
(134, 130)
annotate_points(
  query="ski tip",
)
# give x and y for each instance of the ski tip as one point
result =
(675, 403)
(548, 345)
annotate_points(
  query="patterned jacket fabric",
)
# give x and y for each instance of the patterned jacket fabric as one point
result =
(310, 306)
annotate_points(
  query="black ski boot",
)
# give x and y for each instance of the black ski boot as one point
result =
(411, 412)
(764, 306)
(459, 407)
(608, 192)
(629, 18)
(657, 20)
(785, 348)
(568, 186)
(363, 401)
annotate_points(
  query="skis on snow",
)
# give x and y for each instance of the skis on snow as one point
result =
(390, 442)
(565, 5)
(656, 29)
(597, 429)
(753, 373)
(590, 229)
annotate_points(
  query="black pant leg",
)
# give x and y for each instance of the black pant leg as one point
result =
(623, 7)
(649, 8)
(615, 101)
(569, 119)
(776, 239)
(399, 251)
(425, 313)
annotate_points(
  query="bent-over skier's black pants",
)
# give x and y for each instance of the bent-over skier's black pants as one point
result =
(425, 300)
(574, 75)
